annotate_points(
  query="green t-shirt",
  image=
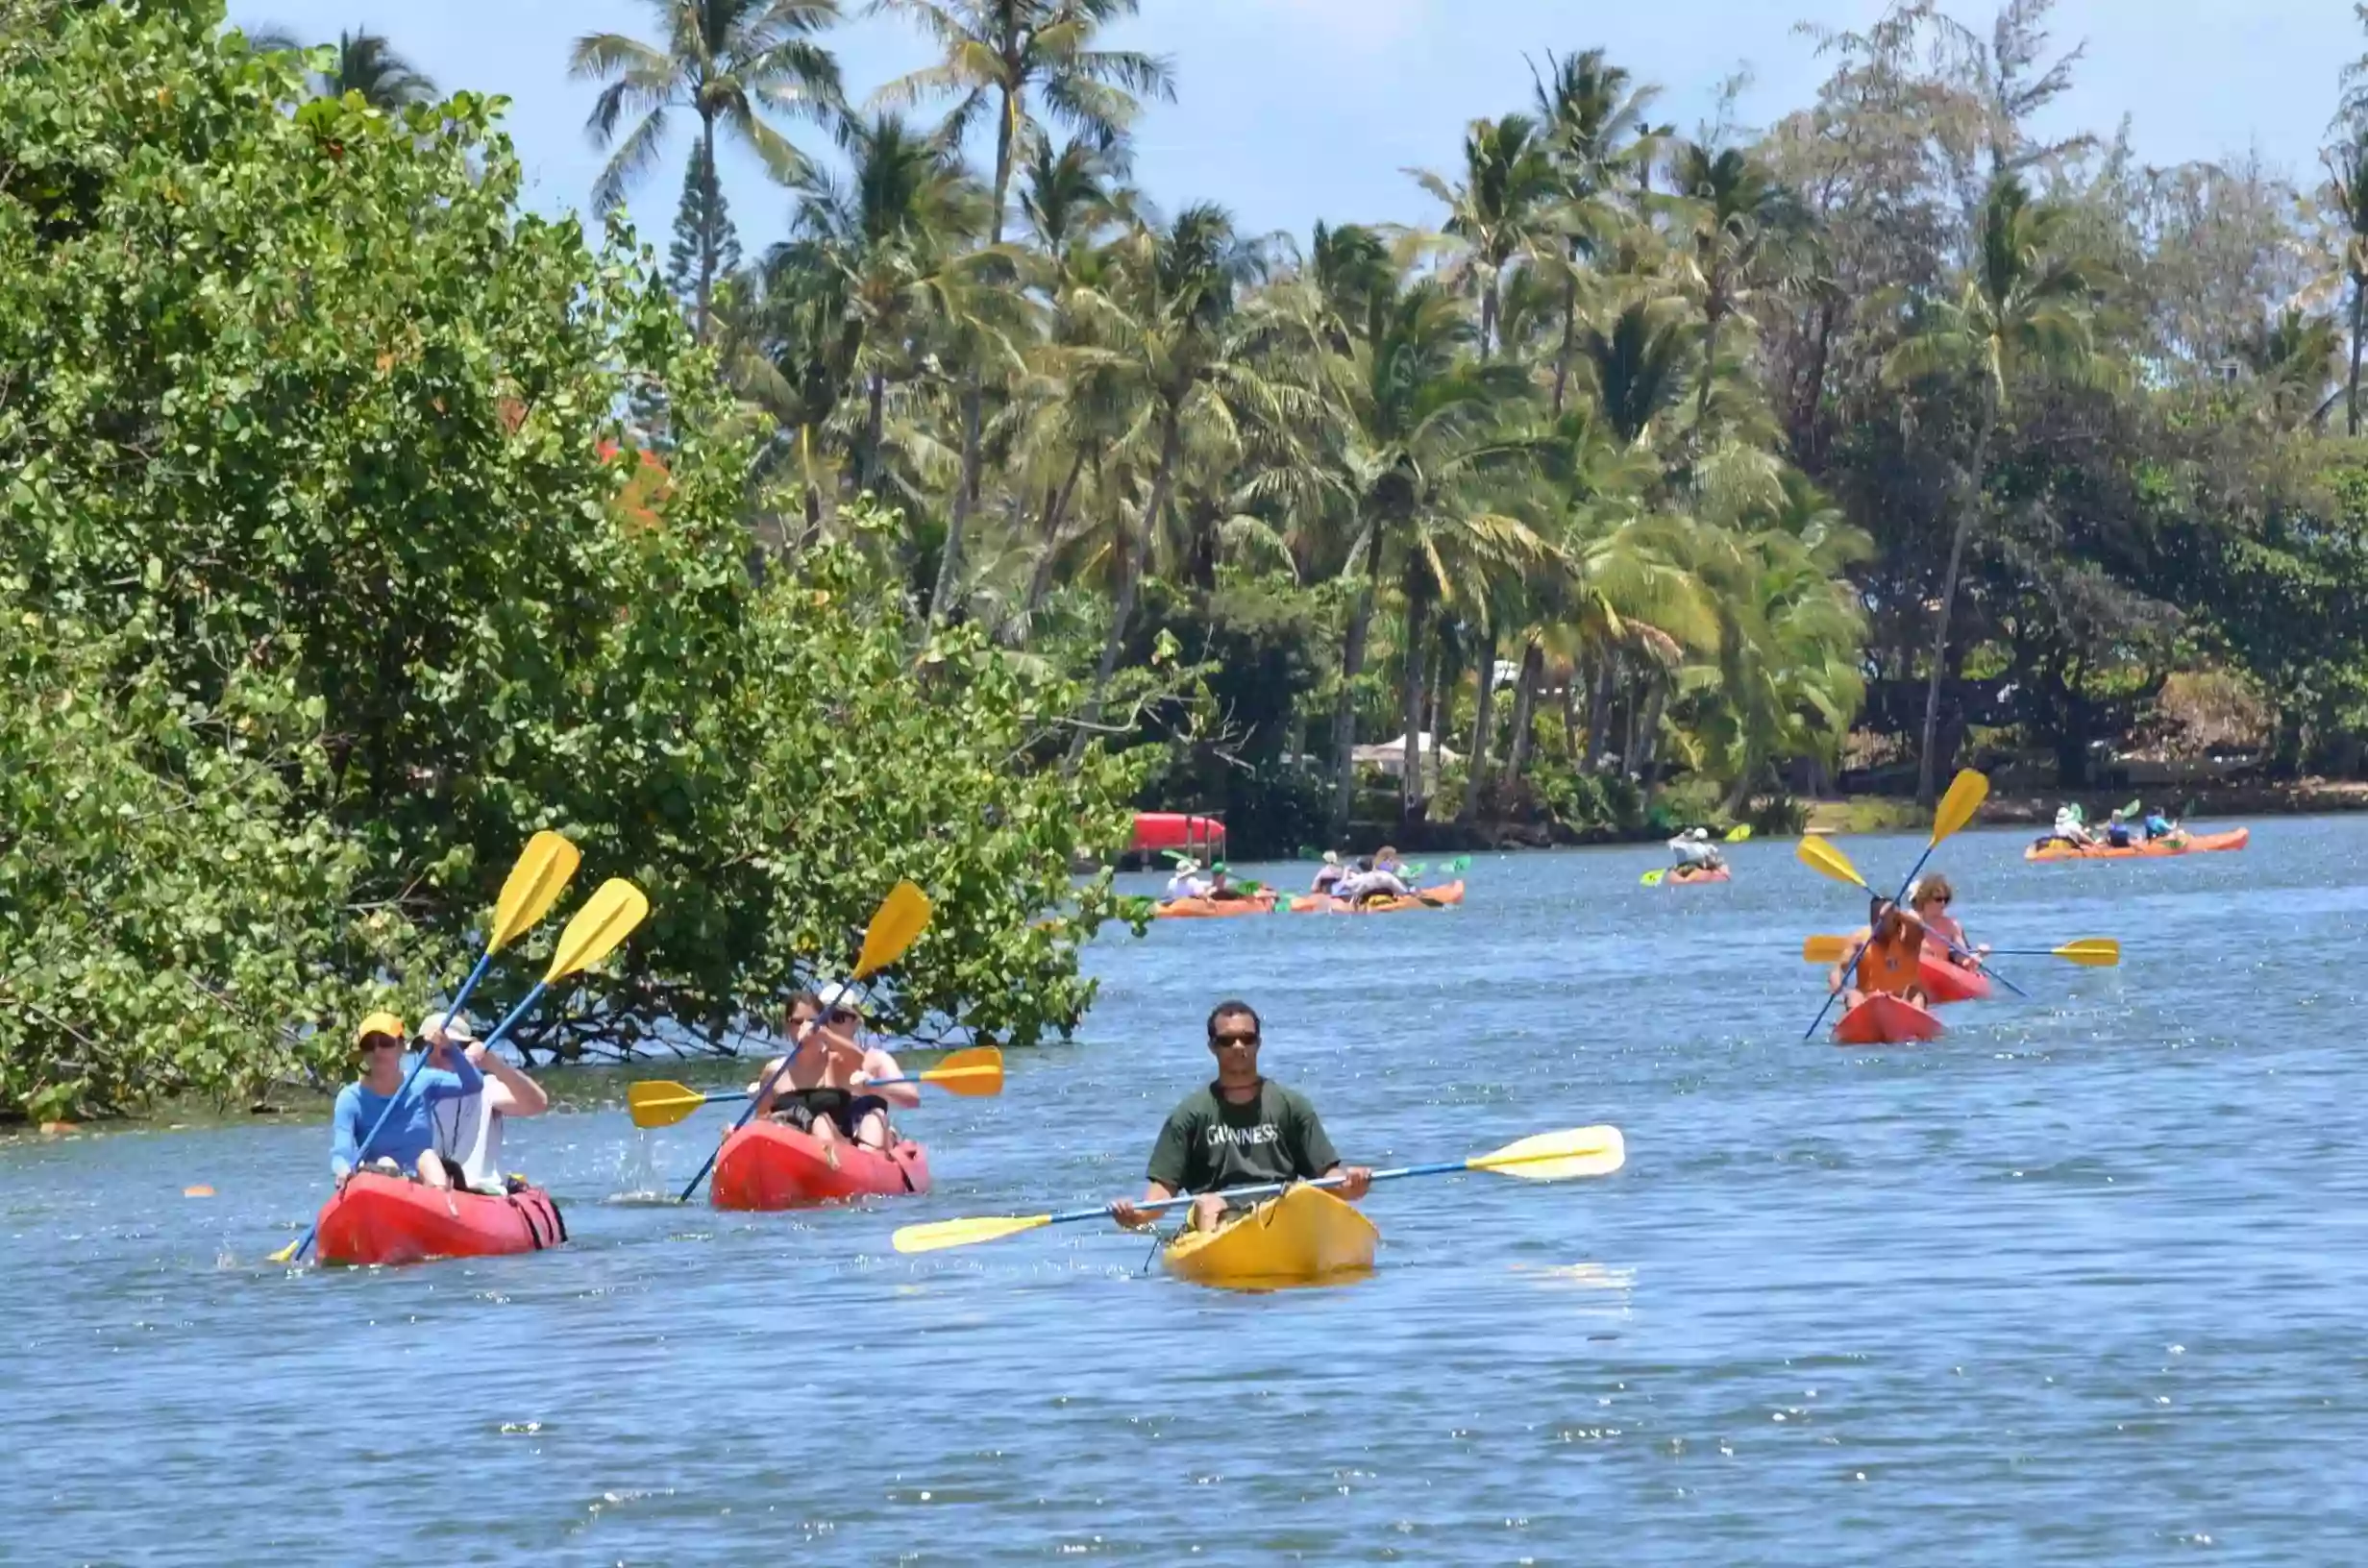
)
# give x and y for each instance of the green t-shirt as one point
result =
(1210, 1143)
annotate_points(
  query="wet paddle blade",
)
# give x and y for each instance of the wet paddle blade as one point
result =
(1826, 949)
(1825, 860)
(1652, 878)
(1739, 833)
(287, 1253)
(896, 926)
(977, 1072)
(1966, 792)
(607, 918)
(535, 884)
(962, 1232)
(661, 1104)
(2096, 952)
(1558, 1156)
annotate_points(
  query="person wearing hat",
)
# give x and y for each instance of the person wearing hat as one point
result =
(1328, 875)
(1695, 852)
(1186, 883)
(468, 1130)
(828, 1086)
(396, 1105)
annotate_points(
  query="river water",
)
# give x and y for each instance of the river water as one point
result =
(2083, 1282)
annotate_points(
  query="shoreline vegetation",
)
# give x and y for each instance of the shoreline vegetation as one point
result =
(355, 522)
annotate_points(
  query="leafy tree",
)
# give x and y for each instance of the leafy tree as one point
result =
(705, 245)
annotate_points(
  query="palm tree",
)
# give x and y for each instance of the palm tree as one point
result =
(1498, 211)
(2022, 303)
(997, 53)
(1595, 133)
(2346, 198)
(1737, 215)
(1639, 364)
(366, 63)
(731, 62)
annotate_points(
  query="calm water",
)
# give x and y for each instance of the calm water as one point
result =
(2083, 1282)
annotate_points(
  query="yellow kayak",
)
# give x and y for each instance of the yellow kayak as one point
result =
(1304, 1236)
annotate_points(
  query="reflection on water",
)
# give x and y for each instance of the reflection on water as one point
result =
(2080, 1283)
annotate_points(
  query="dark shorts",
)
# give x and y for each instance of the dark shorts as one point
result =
(843, 1110)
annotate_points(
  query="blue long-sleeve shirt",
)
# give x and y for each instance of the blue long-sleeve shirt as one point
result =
(409, 1131)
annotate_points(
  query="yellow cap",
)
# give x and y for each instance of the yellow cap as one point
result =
(379, 1023)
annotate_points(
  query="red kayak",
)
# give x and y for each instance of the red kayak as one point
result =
(1885, 1020)
(1715, 874)
(1945, 980)
(767, 1165)
(389, 1219)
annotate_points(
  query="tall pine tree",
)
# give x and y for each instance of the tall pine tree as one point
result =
(707, 251)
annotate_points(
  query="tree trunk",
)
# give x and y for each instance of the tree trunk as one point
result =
(1713, 313)
(1924, 792)
(1648, 744)
(1345, 707)
(1599, 715)
(1130, 584)
(1487, 317)
(1410, 782)
(1445, 675)
(1570, 333)
(1570, 717)
(1524, 713)
(1483, 713)
(2359, 319)
(875, 431)
(943, 599)
(706, 247)
(1056, 513)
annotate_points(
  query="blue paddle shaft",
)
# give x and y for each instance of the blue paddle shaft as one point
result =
(1441, 1168)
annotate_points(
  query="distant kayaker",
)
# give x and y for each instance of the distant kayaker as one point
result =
(1695, 852)
(1930, 902)
(1240, 1129)
(1221, 890)
(405, 1141)
(1366, 886)
(1186, 883)
(468, 1130)
(2158, 826)
(2071, 828)
(822, 1085)
(1890, 958)
(2117, 831)
(1328, 875)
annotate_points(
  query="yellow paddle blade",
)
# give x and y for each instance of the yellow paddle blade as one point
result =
(895, 926)
(1825, 860)
(2096, 952)
(607, 918)
(1739, 833)
(1652, 878)
(1826, 949)
(1966, 792)
(977, 1071)
(534, 885)
(1556, 1157)
(287, 1253)
(661, 1104)
(962, 1232)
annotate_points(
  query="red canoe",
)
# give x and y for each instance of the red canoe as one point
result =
(1946, 980)
(1678, 877)
(388, 1220)
(767, 1165)
(1885, 1020)
(1178, 830)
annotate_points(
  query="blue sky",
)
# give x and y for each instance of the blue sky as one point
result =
(1290, 111)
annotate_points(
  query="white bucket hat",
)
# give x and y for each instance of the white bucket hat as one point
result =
(453, 1027)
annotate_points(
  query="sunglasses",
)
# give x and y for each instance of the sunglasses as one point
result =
(381, 1042)
(841, 1014)
(1223, 1040)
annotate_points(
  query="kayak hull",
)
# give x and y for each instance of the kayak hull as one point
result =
(1945, 980)
(2198, 844)
(1885, 1020)
(388, 1220)
(1680, 878)
(767, 1165)
(1302, 1236)
(1325, 904)
(1213, 909)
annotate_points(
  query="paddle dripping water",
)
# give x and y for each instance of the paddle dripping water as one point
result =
(2078, 1283)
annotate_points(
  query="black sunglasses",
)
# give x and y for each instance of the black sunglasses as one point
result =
(1250, 1039)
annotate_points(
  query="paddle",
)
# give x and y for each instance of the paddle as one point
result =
(1831, 949)
(606, 919)
(896, 925)
(2092, 952)
(1965, 795)
(1546, 1156)
(1739, 833)
(973, 1072)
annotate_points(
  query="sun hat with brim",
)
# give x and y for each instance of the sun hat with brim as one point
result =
(1187, 865)
(453, 1028)
(1331, 857)
(379, 1023)
(840, 997)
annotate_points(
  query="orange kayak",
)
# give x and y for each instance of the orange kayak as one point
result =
(1885, 1020)
(2196, 844)
(1681, 876)
(1945, 980)
(1213, 909)
(767, 1165)
(392, 1219)
(1431, 899)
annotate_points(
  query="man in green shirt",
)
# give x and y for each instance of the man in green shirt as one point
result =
(1238, 1130)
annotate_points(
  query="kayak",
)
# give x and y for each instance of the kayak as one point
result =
(1681, 876)
(1885, 1020)
(1214, 909)
(1302, 1236)
(392, 1219)
(768, 1165)
(1320, 903)
(2197, 844)
(1947, 981)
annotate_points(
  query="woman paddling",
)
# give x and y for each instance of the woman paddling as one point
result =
(826, 1087)
(1930, 902)
(1891, 956)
